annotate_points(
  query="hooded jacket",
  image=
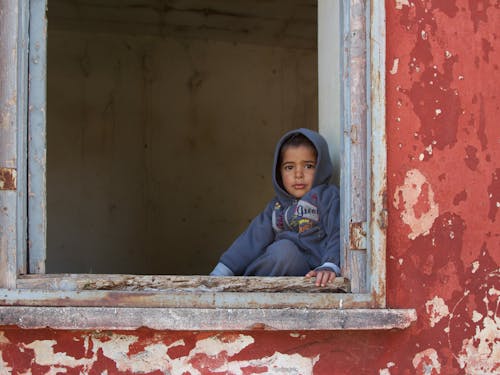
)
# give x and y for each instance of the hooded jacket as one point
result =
(311, 222)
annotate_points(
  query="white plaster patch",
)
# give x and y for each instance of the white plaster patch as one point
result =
(4, 366)
(476, 316)
(154, 357)
(409, 193)
(278, 363)
(436, 309)
(213, 346)
(386, 371)
(45, 355)
(493, 292)
(395, 65)
(3, 339)
(475, 266)
(480, 354)
(55, 370)
(400, 3)
(429, 361)
(213, 353)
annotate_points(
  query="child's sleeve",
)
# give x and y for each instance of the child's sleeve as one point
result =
(251, 243)
(221, 270)
(331, 254)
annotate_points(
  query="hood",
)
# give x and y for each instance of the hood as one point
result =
(324, 167)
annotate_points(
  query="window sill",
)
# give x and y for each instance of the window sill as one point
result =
(199, 303)
(198, 319)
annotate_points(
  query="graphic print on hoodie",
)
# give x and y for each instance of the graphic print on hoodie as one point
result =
(311, 222)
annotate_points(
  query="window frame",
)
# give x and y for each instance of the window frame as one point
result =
(31, 299)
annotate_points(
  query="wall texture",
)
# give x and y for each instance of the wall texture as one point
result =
(443, 245)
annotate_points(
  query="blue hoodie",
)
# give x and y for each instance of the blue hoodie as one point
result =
(311, 222)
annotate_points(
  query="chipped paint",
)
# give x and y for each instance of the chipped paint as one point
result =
(277, 363)
(437, 310)
(401, 3)
(4, 367)
(128, 355)
(46, 356)
(417, 198)
(494, 194)
(395, 65)
(480, 354)
(475, 266)
(427, 362)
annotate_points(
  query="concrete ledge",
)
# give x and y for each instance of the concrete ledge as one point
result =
(196, 319)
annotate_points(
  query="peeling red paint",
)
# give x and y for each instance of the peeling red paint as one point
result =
(487, 48)
(494, 195)
(422, 205)
(479, 12)
(471, 160)
(437, 106)
(481, 130)
(460, 197)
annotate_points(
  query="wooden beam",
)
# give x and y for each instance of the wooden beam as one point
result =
(179, 283)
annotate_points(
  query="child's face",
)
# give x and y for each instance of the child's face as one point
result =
(298, 167)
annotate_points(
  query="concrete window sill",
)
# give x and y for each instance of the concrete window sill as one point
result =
(196, 319)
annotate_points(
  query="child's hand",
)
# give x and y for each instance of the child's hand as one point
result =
(323, 276)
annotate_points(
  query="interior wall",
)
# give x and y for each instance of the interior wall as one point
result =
(160, 149)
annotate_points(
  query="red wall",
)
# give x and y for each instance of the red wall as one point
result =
(443, 240)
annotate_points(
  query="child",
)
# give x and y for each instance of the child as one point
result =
(298, 232)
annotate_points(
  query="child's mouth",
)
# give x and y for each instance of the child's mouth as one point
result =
(299, 186)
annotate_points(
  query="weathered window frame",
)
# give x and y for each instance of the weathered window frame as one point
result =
(31, 299)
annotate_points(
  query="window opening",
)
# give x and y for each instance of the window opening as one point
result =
(161, 126)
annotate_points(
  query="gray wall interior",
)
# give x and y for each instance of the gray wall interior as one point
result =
(161, 126)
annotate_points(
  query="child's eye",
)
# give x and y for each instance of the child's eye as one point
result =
(288, 167)
(310, 166)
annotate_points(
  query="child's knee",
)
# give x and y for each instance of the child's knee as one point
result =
(283, 249)
(281, 258)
